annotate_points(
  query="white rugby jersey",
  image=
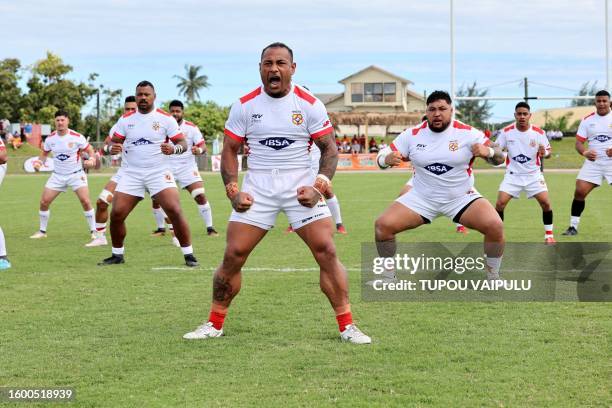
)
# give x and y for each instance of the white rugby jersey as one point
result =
(142, 136)
(193, 137)
(278, 131)
(66, 151)
(2, 147)
(442, 161)
(111, 132)
(315, 156)
(597, 130)
(522, 147)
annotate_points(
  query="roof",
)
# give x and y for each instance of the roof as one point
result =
(374, 67)
(328, 97)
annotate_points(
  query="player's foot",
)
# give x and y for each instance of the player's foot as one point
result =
(93, 234)
(340, 229)
(212, 232)
(461, 230)
(160, 232)
(289, 230)
(549, 241)
(204, 331)
(176, 242)
(99, 240)
(353, 335)
(570, 231)
(39, 235)
(112, 260)
(492, 275)
(191, 260)
(4, 264)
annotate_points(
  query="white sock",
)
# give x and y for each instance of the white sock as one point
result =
(101, 227)
(118, 251)
(574, 221)
(159, 215)
(334, 208)
(90, 216)
(187, 250)
(493, 266)
(2, 243)
(206, 214)
(548, 231)
(459, 225)
(44, 219)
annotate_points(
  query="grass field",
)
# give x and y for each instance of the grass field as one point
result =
(114, 334)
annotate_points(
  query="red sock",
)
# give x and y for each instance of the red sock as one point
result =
(216, 319)
(344, 320)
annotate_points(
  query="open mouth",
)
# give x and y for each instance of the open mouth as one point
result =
(274, 80)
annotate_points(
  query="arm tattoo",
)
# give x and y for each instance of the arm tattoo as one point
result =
(222, 290)
(229, 160)
(329, 155)
(498, 157)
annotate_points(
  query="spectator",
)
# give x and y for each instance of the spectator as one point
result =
(15, 140)
(373, 147)
(355, 146)
(362, 144)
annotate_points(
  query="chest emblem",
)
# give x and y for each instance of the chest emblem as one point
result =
(155, 126)
(297, 119)
(532, 142)
(453, 145)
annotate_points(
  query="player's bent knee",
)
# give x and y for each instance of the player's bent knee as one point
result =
(197, 191)
(383, 229)
(106, 197)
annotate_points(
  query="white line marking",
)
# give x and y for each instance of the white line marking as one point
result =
(248, 269)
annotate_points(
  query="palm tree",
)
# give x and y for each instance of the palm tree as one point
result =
(192, 83)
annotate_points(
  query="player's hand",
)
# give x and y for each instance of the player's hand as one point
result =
(393, 159)
(480, 150)
(89, 163)
(37, 164)
(198, 150)
(167, 148)
(541, 150)
(308, 196)
(609, 152)
(590, 154)
(242, 201)
(116, 148)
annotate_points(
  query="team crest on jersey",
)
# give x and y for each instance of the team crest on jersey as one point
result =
(602, 138)
(156, 126)
(297, 119)
(521, 158)
(276, 143)
(438, 168)
(532, 142)
(453, 145)
(62, 157)
(70, 145)
(142, 141)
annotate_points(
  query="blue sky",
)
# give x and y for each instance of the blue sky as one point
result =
(559, 42)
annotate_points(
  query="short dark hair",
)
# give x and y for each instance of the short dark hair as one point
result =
(130, 98)
(439, 95)
(145, 83)
(178, 103)
(603, 92)
(523, 104)
(277, 45)
(61, 112)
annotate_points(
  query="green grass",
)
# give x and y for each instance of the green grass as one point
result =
(114, 334)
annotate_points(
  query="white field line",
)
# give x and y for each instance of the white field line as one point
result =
(247, 269)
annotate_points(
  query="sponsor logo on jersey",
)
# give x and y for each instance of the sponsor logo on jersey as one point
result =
(276, 143)
(62, 157)
(438, 168)
(602, 138)
(256, 117)
(421, 146)
(521, 158)
(131, 126)
(453, 145)
(156, 126)
(142, 141)
(297, 119)
(532, 142)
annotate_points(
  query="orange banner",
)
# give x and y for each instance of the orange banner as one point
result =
(363, 162)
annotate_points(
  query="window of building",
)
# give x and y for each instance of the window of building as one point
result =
(389, 92)
(373, 92)
(357, 92)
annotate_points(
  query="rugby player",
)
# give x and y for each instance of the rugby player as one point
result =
(596, 129)
(144, 136)
(442, 151)
(278, 121)
(66, 146)
(526, 146)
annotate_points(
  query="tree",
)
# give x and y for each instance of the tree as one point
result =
(209, 117)
(585, 90)
(10, 93)
(190, 85)
(474, 112)
(49, 90)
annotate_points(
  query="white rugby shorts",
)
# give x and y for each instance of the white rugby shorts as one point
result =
(137, 181)
(593, 172)
(431, 209)
(186, 175)
(117, 176)
(61, 182)
(274, 191)
(531, 184)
